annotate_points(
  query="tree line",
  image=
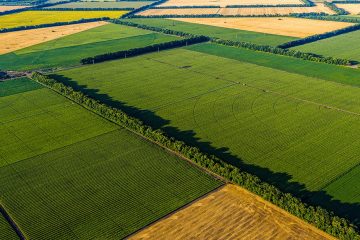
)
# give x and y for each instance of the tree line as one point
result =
(317, 216)
(251, 46)
(335, 8)
(318, 37)
(3, 30)
(138, 51)
(85, 9)
(325, 17)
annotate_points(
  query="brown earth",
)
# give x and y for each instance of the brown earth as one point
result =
(13, 41)
(231, 213)
(293, 27)
(8, 8)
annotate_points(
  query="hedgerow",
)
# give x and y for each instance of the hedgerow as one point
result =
(317, 216)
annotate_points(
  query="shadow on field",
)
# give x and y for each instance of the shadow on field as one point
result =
(281, 180)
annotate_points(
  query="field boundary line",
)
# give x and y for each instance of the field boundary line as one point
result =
(12, 223)
(176, 210)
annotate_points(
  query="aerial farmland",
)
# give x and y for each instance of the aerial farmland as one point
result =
(178, 119)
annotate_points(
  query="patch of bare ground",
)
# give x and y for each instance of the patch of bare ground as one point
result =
(293, 27)
(13, 41)
(8, 8)
(231, 213)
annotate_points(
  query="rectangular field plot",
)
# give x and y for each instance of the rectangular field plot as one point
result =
(105, 187)
(19, 85)
(8, 8)
(99, 5)
(294, 27)
(31, 18)
(289, 128)
(69, 50)
(342, 46)
(6, 231)
(38, 121)
(12, 41)
(247, 11)
(246, 215)
(215, 31)
(352, 8)
(224, 3)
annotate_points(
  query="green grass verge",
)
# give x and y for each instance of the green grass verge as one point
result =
(268, 121)
(6, 231)
(216, 32)
(340, 74)
(19, 85)
(67, 173)
(68, 51)
(341, 46)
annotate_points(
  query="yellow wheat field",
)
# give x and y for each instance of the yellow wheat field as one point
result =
(231, 213)
(8, 8)
(224, 3)
(30, 18)
(293, 27)
(269, 11)
(349, 7)
(13, 41)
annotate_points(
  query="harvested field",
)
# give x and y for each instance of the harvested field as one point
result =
(269, 11)
(245, 216)
(8, 8)
(13, 41)
(294, 27)
(31, 18)
(352, 8)
(224, 3)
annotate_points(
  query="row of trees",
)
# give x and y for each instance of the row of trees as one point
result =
(336, 9)
(138, 51)
(318, 37)
(85, 9)
(326, 17)
(3, 30)
(252, 46)
(319, 217)
(209, 16)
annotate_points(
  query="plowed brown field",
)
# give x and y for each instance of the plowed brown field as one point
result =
(293, 27)
(231, 213)
(13, 41)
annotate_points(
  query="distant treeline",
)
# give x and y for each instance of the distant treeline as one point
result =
(138, 51)
(209, 16)
(317, 216)
(85, 9)
(318, 37)
(326, 17)
(336, 9)
(252, 46)
(3, 30)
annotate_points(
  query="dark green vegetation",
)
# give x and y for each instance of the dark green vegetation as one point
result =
(269, 122)
(100, 5)
(342, 46)
(215, 32)
(74, 175)
(6, 231)
(319, 217)
(68, 51)
(20, 85)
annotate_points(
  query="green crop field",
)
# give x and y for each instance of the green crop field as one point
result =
(341, 46)
(6, 231)
(69, 50)
(67, 173)
(216, 32)
(296, 131)
(123, 4)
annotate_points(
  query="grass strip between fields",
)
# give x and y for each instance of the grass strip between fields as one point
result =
(330, 223)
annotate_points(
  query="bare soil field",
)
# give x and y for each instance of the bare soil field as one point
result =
(231, 213)
(293, 27)
(13, 41)
(352, 8)
(224, 3)
(8, 8)
(239, 11)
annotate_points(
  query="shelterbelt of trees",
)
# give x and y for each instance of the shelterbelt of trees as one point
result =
(252, 46)
(317, 216)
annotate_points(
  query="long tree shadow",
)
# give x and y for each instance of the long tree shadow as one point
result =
(281, 180)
